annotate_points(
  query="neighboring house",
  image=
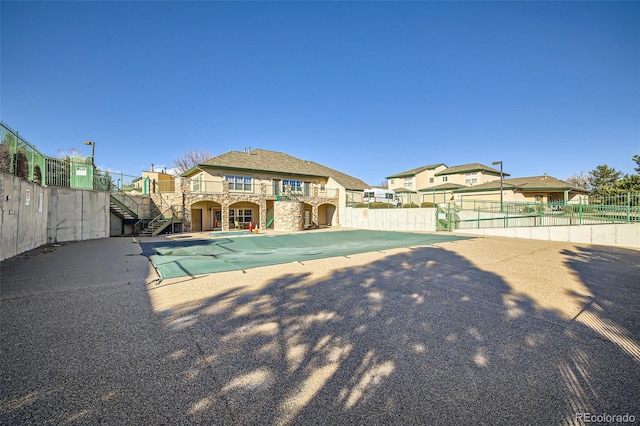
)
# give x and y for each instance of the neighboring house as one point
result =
(415, 179)
(541, 189)
(154, 183)
(237, 188)
(436, 183)
(468, 175)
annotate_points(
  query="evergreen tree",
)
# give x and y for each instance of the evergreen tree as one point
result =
(602, 180)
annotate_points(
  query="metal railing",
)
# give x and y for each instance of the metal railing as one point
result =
(19, 157)
(200, 186)
(623, 208)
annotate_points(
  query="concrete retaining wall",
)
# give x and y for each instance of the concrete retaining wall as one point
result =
(76, 215)
(23, 215)
(423, 219)
(623, 235)
(32, 215)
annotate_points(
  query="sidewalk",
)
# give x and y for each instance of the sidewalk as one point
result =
(480, 331)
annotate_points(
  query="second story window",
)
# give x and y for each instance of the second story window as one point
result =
(294, 185)
(239, 183)
(471, 178)
(445, 178)
(196, 183)
(408, 182)
(430, 180)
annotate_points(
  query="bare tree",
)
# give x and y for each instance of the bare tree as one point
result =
(384, 184)
(580, 180)
(191, 158)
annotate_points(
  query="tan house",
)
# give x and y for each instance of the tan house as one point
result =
(535, 189)
(155, 182)
(266, 188)
(436, 183)
(414, 179)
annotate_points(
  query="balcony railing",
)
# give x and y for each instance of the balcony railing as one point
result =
(199, 186)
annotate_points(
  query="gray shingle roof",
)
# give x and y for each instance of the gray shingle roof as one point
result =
(468, 168)
(532, 183)
(279, 162)
(415, 171)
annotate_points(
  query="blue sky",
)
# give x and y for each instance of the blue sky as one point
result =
(367, 88)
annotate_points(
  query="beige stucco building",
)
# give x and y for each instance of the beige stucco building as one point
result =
(260, 188)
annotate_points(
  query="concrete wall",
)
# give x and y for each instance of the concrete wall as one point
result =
(423, 219)
(623, 235)
(76, 215)
(32, 215)
(23, 215)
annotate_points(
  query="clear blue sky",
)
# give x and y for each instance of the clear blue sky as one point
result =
(368, 88)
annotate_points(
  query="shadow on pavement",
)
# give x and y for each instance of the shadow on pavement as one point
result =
(419, 337)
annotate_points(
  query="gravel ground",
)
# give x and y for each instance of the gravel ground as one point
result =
(479, 331)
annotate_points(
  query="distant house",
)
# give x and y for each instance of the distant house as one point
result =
(237, 188)
(437, 182)
(154, 182)
(544, 189)
(415, 179)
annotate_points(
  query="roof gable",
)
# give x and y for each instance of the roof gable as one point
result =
(469, 168)
(531, 183)
(416, 171)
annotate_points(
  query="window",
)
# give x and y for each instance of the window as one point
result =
(430, 180)
(294, 185)
(445, 178)
(196, 183)
(471, 178)
(240, 215)
(392, 182)
(408, 182)
(239, 183)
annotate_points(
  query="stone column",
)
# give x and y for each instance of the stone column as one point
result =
(288, 216)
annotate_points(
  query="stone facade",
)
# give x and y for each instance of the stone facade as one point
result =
(290, 218)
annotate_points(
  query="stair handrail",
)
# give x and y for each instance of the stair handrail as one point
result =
(163, 216)
(123, 206)
(119, 191)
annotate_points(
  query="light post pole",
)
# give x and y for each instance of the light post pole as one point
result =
(495, 163)
(93, 151)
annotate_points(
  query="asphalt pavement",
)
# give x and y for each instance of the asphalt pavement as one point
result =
(479, 331)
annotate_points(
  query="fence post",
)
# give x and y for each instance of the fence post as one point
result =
(506, 220)
(629, 207)
(580, 212)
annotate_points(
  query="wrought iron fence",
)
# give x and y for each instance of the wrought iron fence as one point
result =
(622, 208)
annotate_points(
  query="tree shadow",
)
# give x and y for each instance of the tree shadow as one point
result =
(419, 337)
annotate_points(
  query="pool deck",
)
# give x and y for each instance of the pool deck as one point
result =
(486, 330)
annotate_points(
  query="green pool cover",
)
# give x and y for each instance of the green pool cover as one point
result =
(230, 252)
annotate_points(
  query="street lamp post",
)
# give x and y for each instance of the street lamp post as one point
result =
(495, 163)
(93, 151)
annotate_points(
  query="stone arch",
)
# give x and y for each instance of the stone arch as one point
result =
(308, 216)
(205, 215)
(327, 214)
(242, 212)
